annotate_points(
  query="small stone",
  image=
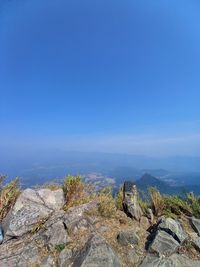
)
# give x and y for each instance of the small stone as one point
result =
(144, 223)
(128, 237)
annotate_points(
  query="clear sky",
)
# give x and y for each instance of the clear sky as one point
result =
(102, 75)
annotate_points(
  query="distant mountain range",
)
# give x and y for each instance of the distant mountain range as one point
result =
(174, 174)
(147, 181)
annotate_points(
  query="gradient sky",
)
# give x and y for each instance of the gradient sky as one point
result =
(118, 76)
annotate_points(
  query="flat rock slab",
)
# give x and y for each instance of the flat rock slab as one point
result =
(31, 207)
(163, 244)
(174, 228)
(174, 260)
(97, 253)
(196, 225)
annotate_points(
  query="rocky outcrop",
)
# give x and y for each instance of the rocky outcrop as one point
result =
(31, 207)
(164, 241)
(38, 232)
(168, 237)
(130, 201)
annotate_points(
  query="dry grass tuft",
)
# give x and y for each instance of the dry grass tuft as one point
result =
(8, 196)
(157, 201)
(107, 205)
(76, 191)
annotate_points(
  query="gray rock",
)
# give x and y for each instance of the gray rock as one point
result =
(128, 237)
(56, 235)
(52, 199)
(174, 260)
(29, 256)
(174, 228)
(163, 244)
(144, 223)
(96, 253)
(75, 219)
(150, 215)
(130, 201)
(196, 225)
(133, 257)
(103, 229)
(196, 243)
(47, 261)
(31, 207)
(65, 258)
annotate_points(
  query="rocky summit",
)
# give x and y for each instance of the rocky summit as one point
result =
(40, 231)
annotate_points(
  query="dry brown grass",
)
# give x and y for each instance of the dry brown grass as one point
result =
(157, 202)
(8, 196)
(76, 191)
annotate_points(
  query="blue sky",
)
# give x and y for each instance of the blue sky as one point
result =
(115, 76)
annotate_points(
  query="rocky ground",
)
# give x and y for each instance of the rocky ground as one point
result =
(38, 232)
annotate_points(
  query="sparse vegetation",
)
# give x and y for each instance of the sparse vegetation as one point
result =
(194, 204)
(59, 247)
(8, 195)
(157, 201)
(171, 206)
(119, 200)
(75, 191)
(38, 226)
(107, 204)
(144, 206)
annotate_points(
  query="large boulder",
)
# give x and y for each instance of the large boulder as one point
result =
(163, 244)
(32, 207)
(174, 260)
(98, 253)
(196, 225)
(174, 228)
(130, 201)
(76, 218)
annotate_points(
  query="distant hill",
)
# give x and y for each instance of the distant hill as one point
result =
(148, 180)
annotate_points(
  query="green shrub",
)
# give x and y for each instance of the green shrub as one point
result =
(177, 205)
(59, 247)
